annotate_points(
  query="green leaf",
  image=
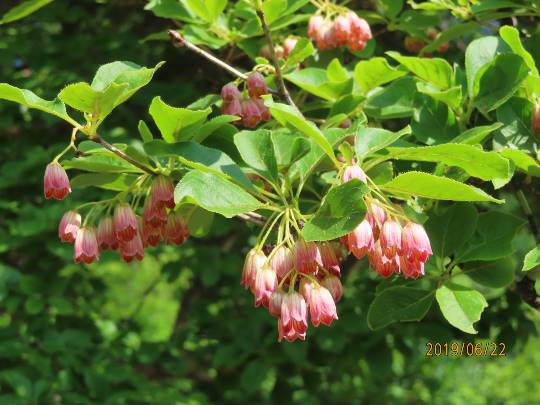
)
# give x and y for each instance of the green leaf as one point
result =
(516, 132)
(335, 72)
(532, 259)
(460, 306)
(451, 97)
(273, 9)
(370, 140)
(394, 101)
(31, 100)
(342, 210)
(316, 81)
(510, 35)
(374, 72)
(438, 188)
(396, 304)
(451, 230)
(208, 128)
(82, 97)
(102, 163)
(495, 274)
(24, 9)
(257, 150)
(493, 237)
(214, 193)
(479, 53)
(199, 157)
(382, 173)
(171, 120)
(497, 81)
(122, 73)
(433, 122)
(107, 181)
(476, 135)
(432, 70)
(301, 51)
(455, 31)
(476, 162)
(289, 148)
(286, 114)
(144, 131)
(208, 10)
(199, 220)
(522, 161)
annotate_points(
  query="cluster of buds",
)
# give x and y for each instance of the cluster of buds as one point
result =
(294, 280)
(391, 248)
(416, 44)
(251, 110)
(345, 30)
(535, 119)
(282, 51)
(124, 230)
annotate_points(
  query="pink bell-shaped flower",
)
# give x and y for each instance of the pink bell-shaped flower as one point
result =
(282, 261)
(293, 322)
(376, 216)
(256, 85)
(154, 215)
(359, 27)
(230, 92)
(390, 238)
(276, 300)
(415, 242)
(162, 192)
(251, 115)
(86, 247)
(411, 268)
(132, 249)
(307, 257)
(322, 307)
(265, 284)
(360, 240)
(314, 26)
(305, 287)
(177, 229)
(342, 29)
(255, 260)
(288, 46)
(354, 172)
(333, 284)
(69, 226)
(105, 234)
(329, 259)
(56, 182)
(125, 223)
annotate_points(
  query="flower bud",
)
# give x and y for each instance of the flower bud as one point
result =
(251, 114)
(133, 249)
(360, 240)
(255, 260)
(414, 44)
(69, 226)
(265, 284)
(256, 85)
(346, 124)
(390, 238)
(415, 242)
(288, 46)
(353, 172)
(56, 182)
(86, 246)
(328, 257)
(282, 261)
(314, 26)
(162, 192)
(230, 93)
(535, 119)
(333, 284)
(125, 223)
(293, 324)
(177, 230)
(105, 234)
(307, 257)
(276, 299)
(322, 307)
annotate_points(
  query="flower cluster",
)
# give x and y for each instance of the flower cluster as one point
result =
(292, 281)
(391, 248)
(251, 110)
(124, 230)
(345, 30)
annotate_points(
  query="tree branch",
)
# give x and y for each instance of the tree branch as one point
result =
(98, 139)
(274, 60)
(179, 40)
(252, 217)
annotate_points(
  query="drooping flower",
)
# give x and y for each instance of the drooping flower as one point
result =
(359, 27)
(151, 236)
(264, 111)
(125, 223)
(354, 172)
(256, 85)
(322, 307)
(162, 192)
(333, 284)
(265, 284)
(305, 287)
(411, 268)
(390, 238)
(288, 46)
(86, 246)
(314, 26)
(282, 261)
(153, 214)
(307, 257)
(56, 182)
(415, 242)
(233, 107)
(376, 216)
(293, 322)
(255, 260)
(385, 266)
(69, 226)
(177, 229)
(251, 114)
(276, 300)
(535, 119)
(105, 234)
(230, 92)
(328, 257)
(342, 29)
(133, 249)
(360, 240)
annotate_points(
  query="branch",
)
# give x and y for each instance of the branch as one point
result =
(252, 217)
(274, 60)
(98, 139)
(179, 40)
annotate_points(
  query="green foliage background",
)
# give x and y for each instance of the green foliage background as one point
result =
(178, 328)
